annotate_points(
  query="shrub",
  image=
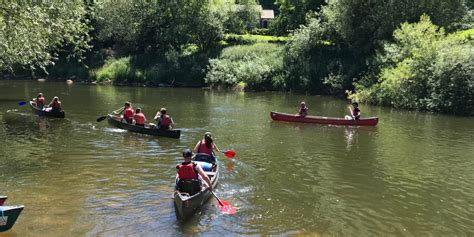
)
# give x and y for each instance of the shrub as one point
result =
(255, 66)
(423, 69)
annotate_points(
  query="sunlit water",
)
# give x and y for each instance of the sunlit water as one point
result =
(411, 175)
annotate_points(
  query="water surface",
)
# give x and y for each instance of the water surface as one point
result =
(411, 175)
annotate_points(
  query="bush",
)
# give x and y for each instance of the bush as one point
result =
(258, 67)
(423, 69)
(252, 39)
(119, 70)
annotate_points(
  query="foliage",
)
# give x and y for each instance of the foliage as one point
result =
(120, 24)
(423, 69)
(240, 17)
(252, 39)
(292, 14)
(258, 66)
(158, 26)
(310, 57)
(321, 68)
(33, 32)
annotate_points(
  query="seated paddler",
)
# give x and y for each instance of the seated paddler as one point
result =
(139, 118)
(190, 175)
(206, 147)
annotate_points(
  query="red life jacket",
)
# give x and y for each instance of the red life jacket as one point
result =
(128, 114)
(165, 121)
(204, 149)
(140, 118)
(187, 171)
(40, 101)
(56, 105)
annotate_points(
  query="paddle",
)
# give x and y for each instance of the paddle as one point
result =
(101, 118)
(225, 207)
(21, 103)
(229, 154)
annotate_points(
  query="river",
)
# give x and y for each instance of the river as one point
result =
(411, 175)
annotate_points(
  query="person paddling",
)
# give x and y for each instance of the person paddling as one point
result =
(206, 145)
(39, 101)
(139, 117)
(189, 175)
(55, 105)
(164, 121)
(355, 112)
(303, 110)
(128, 112)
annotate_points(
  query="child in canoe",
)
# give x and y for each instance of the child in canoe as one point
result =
(355, 112)
(303, 110)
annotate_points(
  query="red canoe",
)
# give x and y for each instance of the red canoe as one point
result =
(323, 120)
(2, 200)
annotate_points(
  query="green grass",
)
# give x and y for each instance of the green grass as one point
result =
(252, 39)
(462, 35)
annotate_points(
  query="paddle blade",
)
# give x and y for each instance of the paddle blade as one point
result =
(226, 208)
(101, 118)
(230, 154)
(21, 103)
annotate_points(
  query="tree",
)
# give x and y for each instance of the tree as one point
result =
(292, 14)
(33, 33)
(423, 69)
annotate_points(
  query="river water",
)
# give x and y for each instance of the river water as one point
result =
(411, 175)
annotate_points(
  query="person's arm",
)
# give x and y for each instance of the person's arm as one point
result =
(119, 111)
(157, 116)
(204, 176)
(171, 123)
(215, 146)
(196, 148)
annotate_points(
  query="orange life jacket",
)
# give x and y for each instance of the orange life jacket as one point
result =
(140, 118)
(128, 114)
(204, 149)
(187, 171)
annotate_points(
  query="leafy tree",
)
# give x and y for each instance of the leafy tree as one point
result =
(292, 14)
(423, 69)
(34, 32)
(240, 17)
(355, 29)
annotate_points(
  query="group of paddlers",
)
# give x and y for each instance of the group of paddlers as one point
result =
(189, 173)
(354, 109)
(137, 117)
(54, 105)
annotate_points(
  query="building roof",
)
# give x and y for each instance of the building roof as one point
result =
(267, 14)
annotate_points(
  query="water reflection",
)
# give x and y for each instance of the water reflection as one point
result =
(410, 175)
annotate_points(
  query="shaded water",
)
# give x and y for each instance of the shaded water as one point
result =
(412, 175)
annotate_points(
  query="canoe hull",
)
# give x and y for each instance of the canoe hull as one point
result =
(186, 205)
(8, 216)
(372, 121)
(117, 122)
(2, 200)
(42, 112)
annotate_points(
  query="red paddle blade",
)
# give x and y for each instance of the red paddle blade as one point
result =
(229, 153)
(226, 208)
